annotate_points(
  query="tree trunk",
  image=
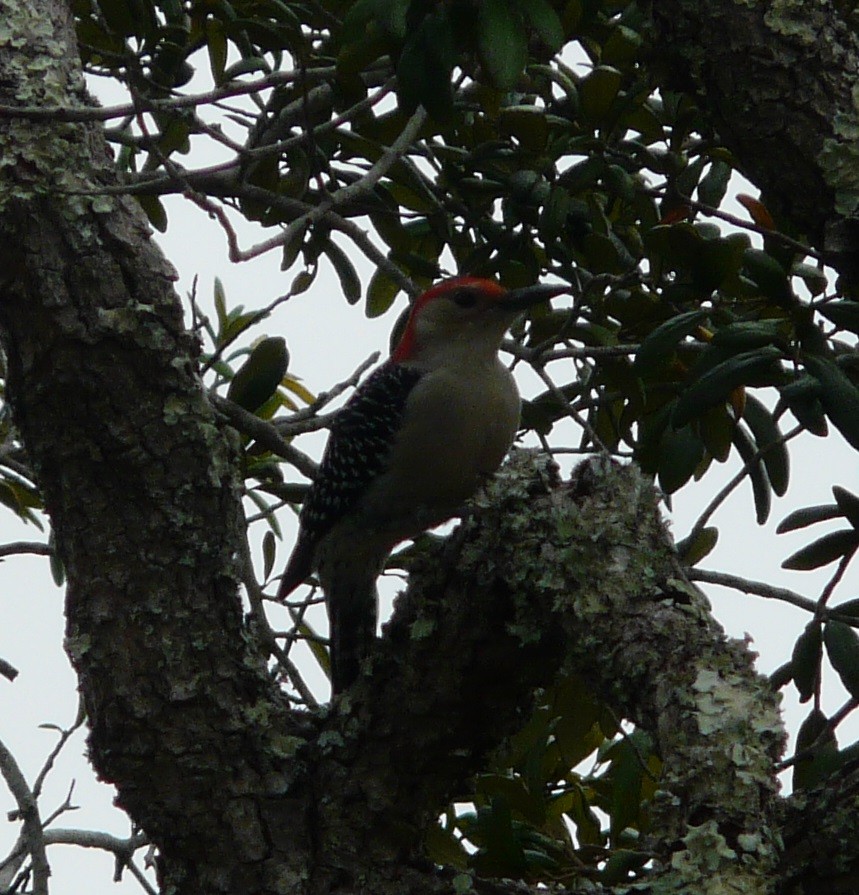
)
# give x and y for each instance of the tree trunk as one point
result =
(777, 81)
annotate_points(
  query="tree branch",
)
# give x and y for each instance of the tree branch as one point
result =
(550, 577)
(28, 811)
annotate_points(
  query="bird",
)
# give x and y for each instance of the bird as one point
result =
(407, 450)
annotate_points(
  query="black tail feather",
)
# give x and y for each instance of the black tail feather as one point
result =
(352, 621)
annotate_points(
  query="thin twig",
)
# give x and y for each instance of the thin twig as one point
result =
(571, 412)
(28, 811)
(264, 630)
(836, 578)
(65, 735)
(20, 548)
(265, 433)
(137, 873)
(300, 421)
(742, 223)
(93, 113)
(256, 318)
(722, 495)
(758, 588)
(367, 182)
(830, 727)
(572, 352)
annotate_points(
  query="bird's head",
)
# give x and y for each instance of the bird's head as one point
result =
(464, 314)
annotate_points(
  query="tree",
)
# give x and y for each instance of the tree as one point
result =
(560, 619)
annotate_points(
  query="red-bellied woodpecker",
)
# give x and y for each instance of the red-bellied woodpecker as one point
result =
(411, 445)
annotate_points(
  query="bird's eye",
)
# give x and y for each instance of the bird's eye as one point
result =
(465, 298)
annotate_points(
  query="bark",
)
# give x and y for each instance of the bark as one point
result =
(777, 82)
(821, 855)
(141, 486)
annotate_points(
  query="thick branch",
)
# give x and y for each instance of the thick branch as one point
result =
(141, 485)
(577, 577)
(777, 81)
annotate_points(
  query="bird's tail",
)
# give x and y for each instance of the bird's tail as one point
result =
(351, 601)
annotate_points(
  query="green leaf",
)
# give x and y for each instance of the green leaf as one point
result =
(848, 503)
(746, 335)
(350, 282)
(715, 385)
(216, 45)
(268, 552)
(814, 278)
(782, 676)
(716, 428)
(714, 184)
(849, 609)
(370, 29)
(292, 248)
(598, 92)
(444, 848)
(314, 642)
(692, 551)
(528, 125)
(757, 474)
(220, 303)
(501, 42)
(842, 647)
(805, 660)
(839, 396)
(260, 375)
(802, 397)
(844, 314)
(806, 516)
(621, 48)
(553, 217)
(809, 772)
(767, 274)
(425, 65)
(380, 294)
(155, 211)
(658, 347)
(545, 23)
(246, 67)
(680, 452)
(823, 551)
(767, 436)
(302, 281)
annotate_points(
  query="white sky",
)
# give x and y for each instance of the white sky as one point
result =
(327, 340)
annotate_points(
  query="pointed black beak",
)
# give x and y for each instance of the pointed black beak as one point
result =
(520, 299)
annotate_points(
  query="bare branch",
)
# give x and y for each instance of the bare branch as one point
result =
(65, 735)
(264, 631)
(264, 433)
(720, 498)
(296, 423)
(21, 548)
(758, 588)
(28, 811)
(828, 729)
(234, 88)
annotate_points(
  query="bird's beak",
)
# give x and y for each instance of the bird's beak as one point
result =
(520, 299)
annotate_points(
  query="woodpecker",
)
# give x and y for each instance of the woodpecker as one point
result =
(407, 450)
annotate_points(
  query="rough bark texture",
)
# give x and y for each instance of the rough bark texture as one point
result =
(240, 794)
(821, 855)
(778, 82)
(142, 490)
